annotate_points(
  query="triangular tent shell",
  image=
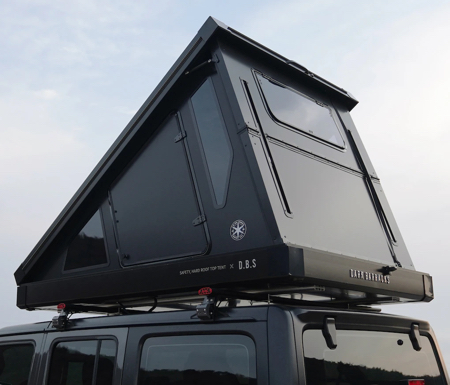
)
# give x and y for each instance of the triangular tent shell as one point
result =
(242, 171)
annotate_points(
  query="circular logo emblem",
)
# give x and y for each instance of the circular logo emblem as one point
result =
(238, 230)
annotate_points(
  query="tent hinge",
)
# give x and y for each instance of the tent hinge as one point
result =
(179, 137)
(214, 60)
(199, 220)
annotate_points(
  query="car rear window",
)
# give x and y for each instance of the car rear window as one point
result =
(366, 357)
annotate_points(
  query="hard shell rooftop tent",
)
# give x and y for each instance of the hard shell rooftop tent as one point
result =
(242, 171)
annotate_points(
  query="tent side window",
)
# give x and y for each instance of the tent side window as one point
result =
(214, 139)
(88, 248)
(296, 110)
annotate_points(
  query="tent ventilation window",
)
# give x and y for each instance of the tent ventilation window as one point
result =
(299, 111)
(87, 249)
(214, 139)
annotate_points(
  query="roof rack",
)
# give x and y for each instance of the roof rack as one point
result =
(207, 305)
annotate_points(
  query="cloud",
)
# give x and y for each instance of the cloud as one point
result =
(126, 110)
(47, 94)
(401, 112)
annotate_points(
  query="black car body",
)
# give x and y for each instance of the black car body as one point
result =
(244, 345)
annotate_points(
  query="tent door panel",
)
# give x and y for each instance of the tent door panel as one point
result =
(155, 203)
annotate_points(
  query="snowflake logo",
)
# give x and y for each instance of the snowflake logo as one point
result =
(238, 230)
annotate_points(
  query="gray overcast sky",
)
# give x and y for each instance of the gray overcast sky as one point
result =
(74, 73)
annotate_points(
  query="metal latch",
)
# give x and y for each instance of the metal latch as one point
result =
(199, 220)
(60, 321)
(179, 137)
(205, 311)
(387, 270)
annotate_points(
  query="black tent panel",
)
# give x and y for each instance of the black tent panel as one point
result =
(154, 202)
(328, 199)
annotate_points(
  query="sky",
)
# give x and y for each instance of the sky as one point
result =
(74, 73)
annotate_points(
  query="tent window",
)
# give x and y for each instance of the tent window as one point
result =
(299, 111)
(214, 139)
(88, 247)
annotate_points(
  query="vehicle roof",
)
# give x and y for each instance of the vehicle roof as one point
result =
(352, 319)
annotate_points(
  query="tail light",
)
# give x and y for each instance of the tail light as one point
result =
(416, 382)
